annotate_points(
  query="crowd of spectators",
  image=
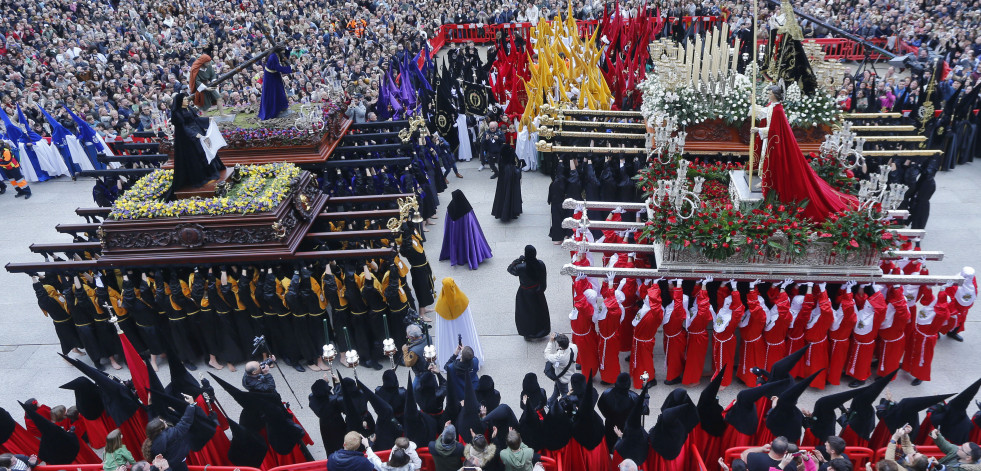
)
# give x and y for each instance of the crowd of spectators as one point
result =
(117, 63)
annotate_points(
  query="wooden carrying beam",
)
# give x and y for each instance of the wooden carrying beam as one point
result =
(72, 247)
(543, 146)
(362, 163)
(366, 198)
(561, 123)
(203, 260)
(76, 228)
(121, 172)
(651, 273)
(379, 214)
(400, 124)
(102, 212)
(371, 148)
(369, 136)
(133, 158)
(348, 235)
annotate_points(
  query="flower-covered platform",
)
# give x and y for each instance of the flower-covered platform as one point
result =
(260, 210)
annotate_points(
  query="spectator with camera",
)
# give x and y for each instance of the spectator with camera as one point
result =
(257, 377)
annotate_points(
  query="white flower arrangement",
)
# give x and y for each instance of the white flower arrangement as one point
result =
(690, 106)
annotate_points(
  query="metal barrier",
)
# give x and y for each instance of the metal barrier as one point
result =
(98, 467)
(481, 33)
(834, 48)
(840, 48)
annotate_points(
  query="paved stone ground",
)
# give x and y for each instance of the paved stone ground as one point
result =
(30, 366)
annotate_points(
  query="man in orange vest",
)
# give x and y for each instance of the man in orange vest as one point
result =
(11, 168)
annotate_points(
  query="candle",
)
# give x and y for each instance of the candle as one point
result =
(326, 332)
(735, 57)
(347, 338)
(385, 321)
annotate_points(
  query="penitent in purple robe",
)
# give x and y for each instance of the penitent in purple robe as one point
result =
(274, 99)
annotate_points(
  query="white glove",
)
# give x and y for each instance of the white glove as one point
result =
(823, 285)
(706, 280)
(786, 282)
(610, 276)
(752, 284)
(732, 284)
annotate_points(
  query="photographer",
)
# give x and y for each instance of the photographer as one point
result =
(257, 377)
(957, 457)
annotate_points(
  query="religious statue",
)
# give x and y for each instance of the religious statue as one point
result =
(784, 172)
(274, 101)
(202, 74)
(762, 113)
(193, 135)
(785, 58)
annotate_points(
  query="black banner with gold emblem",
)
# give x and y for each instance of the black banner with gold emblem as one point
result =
(444, 122)
(475, 98)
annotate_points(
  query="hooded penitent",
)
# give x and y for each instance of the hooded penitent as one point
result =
(952, 419)
(633, 444)
(678, 418)
(861, 414)
(419, 427)
(743, 415)
(824, 417)
(785, 419)
(615, 404)
(709, 410)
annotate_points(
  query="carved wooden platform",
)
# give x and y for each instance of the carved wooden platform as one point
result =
(234, 236)
(302, 155)
(204, 191)
(715, 136)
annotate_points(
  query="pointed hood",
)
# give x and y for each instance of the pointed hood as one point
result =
(952, 419)
(7, 425)
(634, 442)
(418, 427)
(861, 414)
(781, 369)
(117, 399)
(587, 427)
(824, 417)
(558, 424)
(907, 411)
(58, 446)
(710, 412)
(387, 429)
(247, 448)
(33, 136)
(58, 132)
(785, 419)
(680, 397)
(87, 398)
(85, 131)
(14, 133)
(181, 380)
(669, 434)
(486, 394)
(743, 414)
(531, 388)
(390, 391)
(469, 415)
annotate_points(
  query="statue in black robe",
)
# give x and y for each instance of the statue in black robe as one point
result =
(191, 166)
